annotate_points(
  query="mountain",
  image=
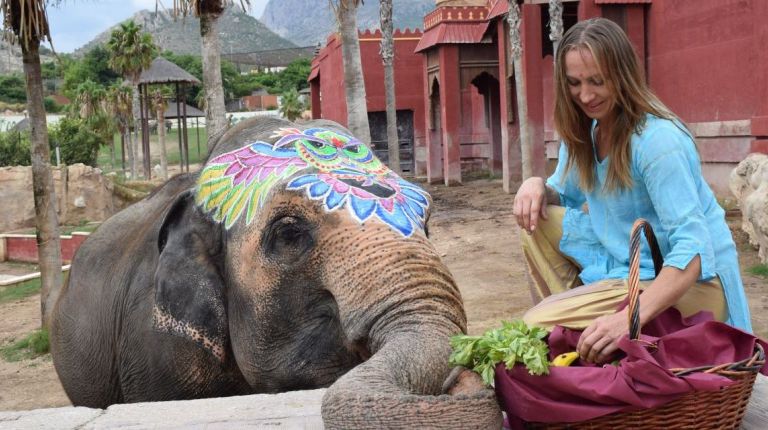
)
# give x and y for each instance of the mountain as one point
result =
(307, 22)
(238, 32)
(10, 57)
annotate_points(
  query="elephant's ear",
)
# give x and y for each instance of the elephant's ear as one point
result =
(189, 290)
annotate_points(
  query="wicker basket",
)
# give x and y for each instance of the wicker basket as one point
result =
(722, 409)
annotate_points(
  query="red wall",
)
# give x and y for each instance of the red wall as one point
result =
(408, 78)
(23, 248)
(704, 56)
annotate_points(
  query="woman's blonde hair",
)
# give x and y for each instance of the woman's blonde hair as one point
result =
(614, 56)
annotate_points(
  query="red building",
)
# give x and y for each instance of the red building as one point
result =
(706, 59)
(328, 100)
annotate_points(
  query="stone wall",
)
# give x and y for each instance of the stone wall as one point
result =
(749, 183)
(82, 194)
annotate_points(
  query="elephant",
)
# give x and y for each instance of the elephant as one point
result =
(294, 259)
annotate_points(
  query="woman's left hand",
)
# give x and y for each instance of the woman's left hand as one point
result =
(601, 339)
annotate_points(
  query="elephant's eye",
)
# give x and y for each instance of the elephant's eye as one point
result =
(288, 238)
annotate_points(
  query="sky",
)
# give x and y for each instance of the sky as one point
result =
(75, 22)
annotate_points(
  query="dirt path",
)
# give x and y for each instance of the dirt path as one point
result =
(472, 228)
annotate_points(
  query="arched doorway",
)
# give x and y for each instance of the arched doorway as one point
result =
(434, 134)
(488, 87)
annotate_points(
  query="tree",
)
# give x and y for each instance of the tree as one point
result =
(291, 106)
(159, 105)
(93, 66)
(121, 108)
(513, 18)
(354, 84)
(130, 52)
(387, 55)
(555, 24)
(28, 21)
(91, 106)
(213, 89)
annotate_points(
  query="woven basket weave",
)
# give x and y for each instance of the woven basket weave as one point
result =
(721, 409)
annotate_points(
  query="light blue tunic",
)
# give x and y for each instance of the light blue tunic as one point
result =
(668, 191)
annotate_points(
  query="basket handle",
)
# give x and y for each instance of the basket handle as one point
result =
(633, 280)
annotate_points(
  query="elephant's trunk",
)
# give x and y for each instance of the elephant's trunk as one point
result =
(387, 391)
(406, 320)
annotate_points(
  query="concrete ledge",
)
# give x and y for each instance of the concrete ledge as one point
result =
(18, 279)
(292, 410)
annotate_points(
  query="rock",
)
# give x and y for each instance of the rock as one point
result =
(82, 194)
(741, 176)
(749, 183)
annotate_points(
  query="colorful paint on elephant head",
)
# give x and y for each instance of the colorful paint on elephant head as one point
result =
(332, 167)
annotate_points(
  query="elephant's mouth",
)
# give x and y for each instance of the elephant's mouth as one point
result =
(377, 189)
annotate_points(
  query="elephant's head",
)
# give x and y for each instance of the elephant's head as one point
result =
(304, 259)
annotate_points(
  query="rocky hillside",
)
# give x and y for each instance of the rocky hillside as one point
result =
(10, 57)
(239, 32)
(307, 22)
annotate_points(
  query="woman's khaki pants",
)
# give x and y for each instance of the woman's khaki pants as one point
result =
(555, 279)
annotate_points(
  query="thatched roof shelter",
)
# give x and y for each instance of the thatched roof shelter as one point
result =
(162, 71)
(171, 112)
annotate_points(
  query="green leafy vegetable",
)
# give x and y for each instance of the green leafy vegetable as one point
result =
(514, 342)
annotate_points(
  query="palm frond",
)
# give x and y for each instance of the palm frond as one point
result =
(25, 21)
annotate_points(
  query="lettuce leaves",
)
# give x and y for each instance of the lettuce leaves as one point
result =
(514, 342)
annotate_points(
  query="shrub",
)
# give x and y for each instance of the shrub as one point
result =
(51, 106)
(14, 149)
(78, 143)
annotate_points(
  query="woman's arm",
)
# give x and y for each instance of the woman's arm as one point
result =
(601, 339)
(531, 202)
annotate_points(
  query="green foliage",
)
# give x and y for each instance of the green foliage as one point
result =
(14, 149)
(759, 270)
(93, 67)
(51, 106)
(20, 291)
(33, 345)
(77, 139)
(13, 89)
(295, 75)
(514, 342)
(292, 106)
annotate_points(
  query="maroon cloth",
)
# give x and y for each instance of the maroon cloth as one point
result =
(642, 380)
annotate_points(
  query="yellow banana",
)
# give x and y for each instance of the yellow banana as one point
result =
(565, 359)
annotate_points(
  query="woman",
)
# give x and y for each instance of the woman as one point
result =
(624, 156)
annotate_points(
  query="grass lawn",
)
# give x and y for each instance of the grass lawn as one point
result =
(196, 151)
(19, 291)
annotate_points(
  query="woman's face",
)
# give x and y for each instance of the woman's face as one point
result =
(589, 89)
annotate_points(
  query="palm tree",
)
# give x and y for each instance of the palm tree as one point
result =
(130, 52)
(354, 84)
(121, 107)
(387, 55)
(291, 106)
(213, 88)
(92, 106)
(513, 18)
(159, 104)
(555, 24)
(28, 22)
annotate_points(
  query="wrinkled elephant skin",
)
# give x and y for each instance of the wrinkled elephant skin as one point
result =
(293, 260)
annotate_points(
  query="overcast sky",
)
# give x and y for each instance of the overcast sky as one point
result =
(75, 22)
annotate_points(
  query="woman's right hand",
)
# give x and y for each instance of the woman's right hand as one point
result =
(530, 203)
